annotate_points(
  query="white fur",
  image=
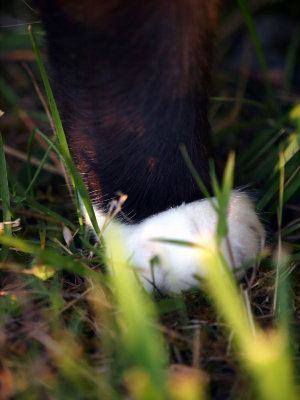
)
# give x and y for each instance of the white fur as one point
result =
(194, 222)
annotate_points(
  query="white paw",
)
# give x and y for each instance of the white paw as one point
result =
(194, 222)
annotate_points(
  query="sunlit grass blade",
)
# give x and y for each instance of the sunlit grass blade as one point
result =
(49, 257)
(264, 354)
(222, 193)
(228, 177)
(295, 116)
(141, 342)
(281, 303)
(74, 174)
(292, 148)
(290, 154)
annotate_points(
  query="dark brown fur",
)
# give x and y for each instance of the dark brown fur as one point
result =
(131, 79)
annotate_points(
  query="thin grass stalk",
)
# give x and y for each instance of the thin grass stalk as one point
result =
(279, 218)
(239, 100)
(243, 4)
(30, 202)
(29, 146)
(5, 199)
(37, 172)
(196, 176)
(4, 190)
(76, 179)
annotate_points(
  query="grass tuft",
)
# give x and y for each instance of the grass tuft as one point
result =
(68, 330)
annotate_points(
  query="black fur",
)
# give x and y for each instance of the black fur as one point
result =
(131, 80)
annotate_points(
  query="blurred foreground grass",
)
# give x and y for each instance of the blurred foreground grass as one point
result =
(70, 331)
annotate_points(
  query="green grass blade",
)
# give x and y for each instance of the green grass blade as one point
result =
(47, 211)
(50, 142)
(74, 174)
(279, 219)
(282, 162)
(196, 176)
(29, 146)
(40, 167)
(259, 152)
(259, 51)
(4, 190)
(290, 156)
(264, 354)
(291, 59)
(266, 137)
(238, 100)
(50, 258)
(53, 107)
(142, 343)
(228, 178)
(224, 197)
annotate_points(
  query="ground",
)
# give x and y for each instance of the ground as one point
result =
(63, 335)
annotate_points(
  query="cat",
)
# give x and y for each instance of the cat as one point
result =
(131, 80)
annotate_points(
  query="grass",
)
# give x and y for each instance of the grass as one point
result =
(70, 331)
